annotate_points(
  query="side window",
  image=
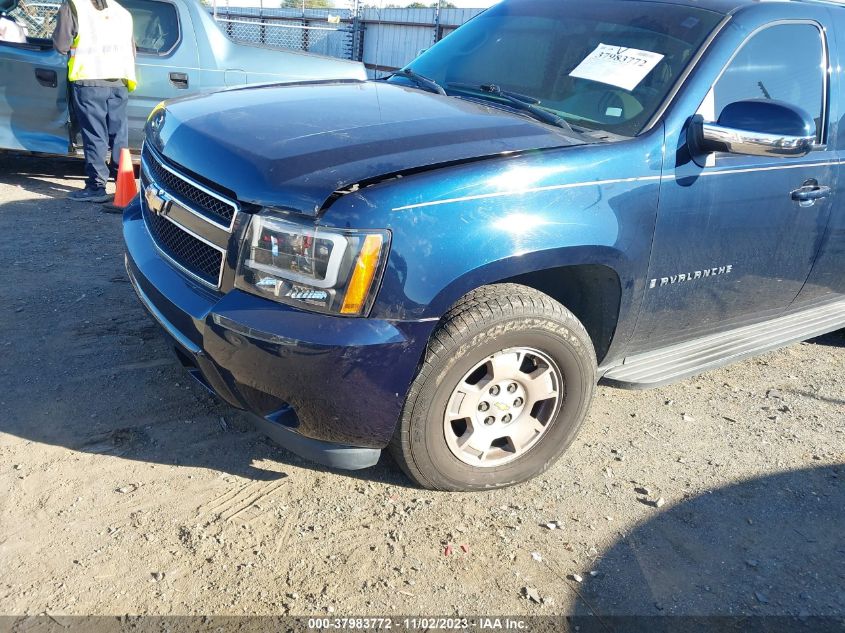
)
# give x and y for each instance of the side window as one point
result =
(156, 25)
(784, 62)
(38, 19)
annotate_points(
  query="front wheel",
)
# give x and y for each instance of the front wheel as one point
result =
(506, 382)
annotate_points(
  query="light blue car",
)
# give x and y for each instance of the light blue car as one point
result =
(181, 51)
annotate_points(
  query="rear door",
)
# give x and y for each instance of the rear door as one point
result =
(33, 84)
(167, 64)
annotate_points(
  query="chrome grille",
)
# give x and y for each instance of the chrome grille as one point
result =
(187, 251)
(180, 222)
(191, 194)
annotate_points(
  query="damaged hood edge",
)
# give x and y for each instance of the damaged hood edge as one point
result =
(300, 148)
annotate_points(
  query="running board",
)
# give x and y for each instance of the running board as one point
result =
(673, 363)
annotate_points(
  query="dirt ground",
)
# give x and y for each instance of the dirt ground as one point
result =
(125, 488)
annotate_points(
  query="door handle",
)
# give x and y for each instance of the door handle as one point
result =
(46, 77)
(180, 80)
(810, 193)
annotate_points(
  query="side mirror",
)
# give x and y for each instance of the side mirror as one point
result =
(7, 5)
(756, 127)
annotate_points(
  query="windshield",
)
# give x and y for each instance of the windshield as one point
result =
(603, 64)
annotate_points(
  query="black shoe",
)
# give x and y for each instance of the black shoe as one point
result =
(89, 195)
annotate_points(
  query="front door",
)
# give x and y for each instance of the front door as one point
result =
(33, 86)
(732, 245)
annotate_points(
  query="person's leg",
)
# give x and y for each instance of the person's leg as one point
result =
(90, 109)
(118, 124)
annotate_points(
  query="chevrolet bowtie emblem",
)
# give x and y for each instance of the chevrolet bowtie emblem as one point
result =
(501, 406)
(158, 202)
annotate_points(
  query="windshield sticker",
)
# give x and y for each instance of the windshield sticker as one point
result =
(617, 66)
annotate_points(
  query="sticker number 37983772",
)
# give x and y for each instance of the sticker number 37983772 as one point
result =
(617, 66)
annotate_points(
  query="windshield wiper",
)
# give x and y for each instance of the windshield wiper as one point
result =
(520, 102)
(422, 82)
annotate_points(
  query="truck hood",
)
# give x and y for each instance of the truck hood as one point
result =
(292, 146)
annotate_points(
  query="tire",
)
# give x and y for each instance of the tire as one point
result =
(498, 330)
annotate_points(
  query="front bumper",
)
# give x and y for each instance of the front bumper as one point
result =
(330, 389)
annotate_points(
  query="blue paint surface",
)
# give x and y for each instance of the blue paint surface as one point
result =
(474, 194)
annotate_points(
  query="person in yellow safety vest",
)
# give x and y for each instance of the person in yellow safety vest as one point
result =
(97, 37)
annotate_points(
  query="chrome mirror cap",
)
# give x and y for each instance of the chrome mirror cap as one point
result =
(717, 138)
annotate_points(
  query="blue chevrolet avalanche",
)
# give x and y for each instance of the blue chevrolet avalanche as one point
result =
(444, 262)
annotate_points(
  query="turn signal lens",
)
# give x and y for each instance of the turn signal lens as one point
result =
(158, 106)
(362, 277)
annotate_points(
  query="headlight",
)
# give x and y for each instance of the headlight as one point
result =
(314, 268)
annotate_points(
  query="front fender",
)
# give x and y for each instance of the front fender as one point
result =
(519, 265)
(440, 252)
(464, 226)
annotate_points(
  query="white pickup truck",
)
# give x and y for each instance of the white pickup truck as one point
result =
(181, 50)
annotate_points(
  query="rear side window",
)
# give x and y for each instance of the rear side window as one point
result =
(156, 26)
(38, 19)
(784, 62)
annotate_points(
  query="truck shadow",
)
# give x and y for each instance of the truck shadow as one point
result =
(85, 368)
(770, 546)
(36, 174)
(834, 339)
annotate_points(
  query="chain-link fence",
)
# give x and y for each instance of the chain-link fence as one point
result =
(314, 26)
(384, 38)
(38, 18)
(317, 30)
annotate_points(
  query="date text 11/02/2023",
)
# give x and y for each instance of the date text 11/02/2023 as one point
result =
(419, 623)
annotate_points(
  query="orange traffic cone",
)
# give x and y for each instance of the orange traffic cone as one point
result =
(126, 187)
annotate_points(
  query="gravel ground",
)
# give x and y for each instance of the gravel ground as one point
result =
(125, 488)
